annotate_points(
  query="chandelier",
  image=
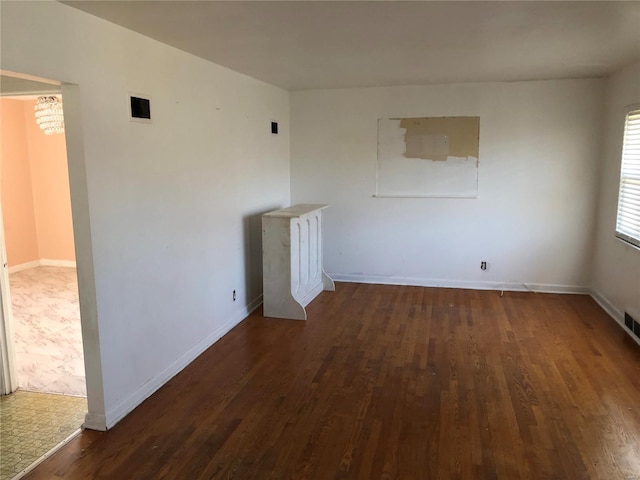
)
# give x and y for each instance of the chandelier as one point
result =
(49, 115)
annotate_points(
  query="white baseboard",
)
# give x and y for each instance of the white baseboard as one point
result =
(100, 422)
(606, 305)
(117, 413)
(24, 266)
(613, 312)
(94, 421)
(440, 283)
(43, 262)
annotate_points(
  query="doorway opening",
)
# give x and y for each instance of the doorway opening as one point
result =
(42, 337)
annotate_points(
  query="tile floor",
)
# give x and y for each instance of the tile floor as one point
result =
(46, 323)
(31, 424)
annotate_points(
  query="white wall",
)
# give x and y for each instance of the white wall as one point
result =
(533, 221)
(616, 266)
(167, 215)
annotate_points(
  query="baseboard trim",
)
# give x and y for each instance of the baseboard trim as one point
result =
(94, 421)
(441, 283)
(24, 266)
(100, 422)
(613, 312)
(43, 262)
(114, 415)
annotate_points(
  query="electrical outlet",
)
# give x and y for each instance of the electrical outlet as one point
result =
(234, 295)
(483, 265)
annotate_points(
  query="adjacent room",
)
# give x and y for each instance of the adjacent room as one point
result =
(480, 233)
(43, 291)
(40, 252)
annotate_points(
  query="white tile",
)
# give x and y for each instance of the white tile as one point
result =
(68, 385)
(47, 331)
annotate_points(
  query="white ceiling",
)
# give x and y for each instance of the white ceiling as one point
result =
(301, 45)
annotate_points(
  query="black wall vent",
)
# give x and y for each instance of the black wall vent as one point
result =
(632, 324)
(628, 321)
(140, 107)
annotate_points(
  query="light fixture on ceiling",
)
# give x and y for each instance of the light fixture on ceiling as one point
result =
(49, 115)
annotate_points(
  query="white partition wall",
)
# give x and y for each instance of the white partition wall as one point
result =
(292, 260)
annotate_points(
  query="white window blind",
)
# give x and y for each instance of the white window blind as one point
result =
(628, 222)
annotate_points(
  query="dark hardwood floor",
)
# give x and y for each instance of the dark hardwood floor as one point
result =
(386, 382)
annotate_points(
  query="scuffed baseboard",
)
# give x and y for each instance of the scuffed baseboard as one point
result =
(94, 421)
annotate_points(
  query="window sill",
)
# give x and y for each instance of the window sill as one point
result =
(628, 243)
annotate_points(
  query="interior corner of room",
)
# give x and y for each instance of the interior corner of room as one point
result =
(167, 212)
(35, 190)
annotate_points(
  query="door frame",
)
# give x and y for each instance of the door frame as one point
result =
(8, 371)
(96, 418)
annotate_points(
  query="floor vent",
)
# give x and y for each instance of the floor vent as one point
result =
(631, 324)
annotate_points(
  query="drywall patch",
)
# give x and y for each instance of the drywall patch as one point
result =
(428, 157)
(438, 138)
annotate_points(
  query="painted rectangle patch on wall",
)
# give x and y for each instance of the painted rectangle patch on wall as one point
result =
(428, 157)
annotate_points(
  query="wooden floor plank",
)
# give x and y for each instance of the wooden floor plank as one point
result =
(390, 382)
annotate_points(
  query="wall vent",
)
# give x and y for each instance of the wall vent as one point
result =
(139, 107)
(632, 324)
(628, 321)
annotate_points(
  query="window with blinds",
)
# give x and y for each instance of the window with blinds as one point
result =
(628, 221)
